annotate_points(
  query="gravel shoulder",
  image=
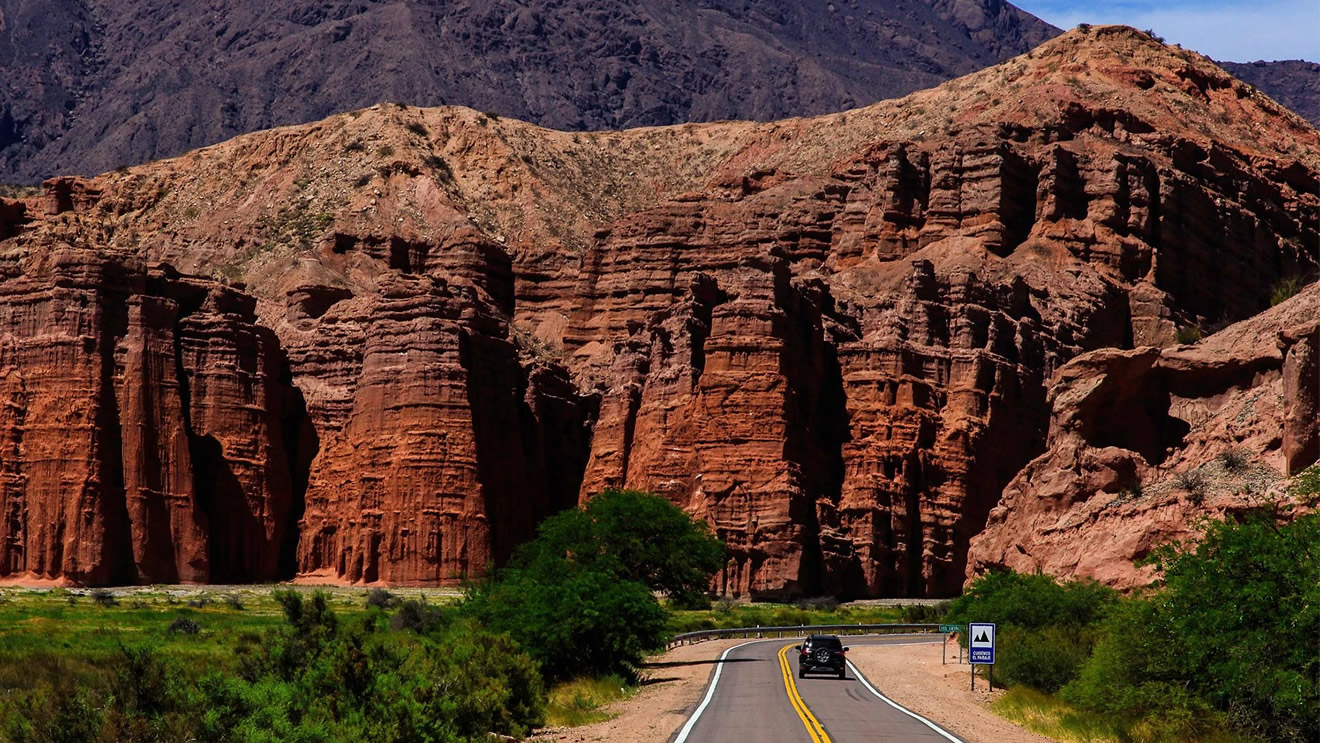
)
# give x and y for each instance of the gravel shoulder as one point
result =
(913, 676)
(673, 685)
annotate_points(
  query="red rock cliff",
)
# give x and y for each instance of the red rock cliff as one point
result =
(143, 421)
(830, 337)
(1145, 442)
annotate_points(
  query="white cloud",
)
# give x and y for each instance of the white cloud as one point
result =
(1224, 29)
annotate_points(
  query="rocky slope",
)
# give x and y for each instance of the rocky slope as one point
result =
(1143, 442)
(830, 337)
(90, 84)
(1295, 83)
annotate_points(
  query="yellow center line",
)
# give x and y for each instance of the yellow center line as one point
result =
(814, 728)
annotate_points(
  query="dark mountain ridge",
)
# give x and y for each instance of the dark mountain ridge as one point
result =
(91, 85)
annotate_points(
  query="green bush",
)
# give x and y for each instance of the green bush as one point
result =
(1230, 633)
(420, 617)
(580, 596)
(1242, 610)
(59, 713)
(573, 620)
(314, 679)
(1189, 335)
(380, 598)
(1285, 289)
(1031, 601)
(1046, 658)
(185, 626)
(1129, 676)
(924, 613)
(1046, 628)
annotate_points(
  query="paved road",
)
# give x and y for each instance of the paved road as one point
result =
(757, 697)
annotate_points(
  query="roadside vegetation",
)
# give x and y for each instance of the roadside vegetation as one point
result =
(725, 614)
(556, 635)
(1221, 648)
(582, 700)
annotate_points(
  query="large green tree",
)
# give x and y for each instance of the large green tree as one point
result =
(581, 596)
(635, 536)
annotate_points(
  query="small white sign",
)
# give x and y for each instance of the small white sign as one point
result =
(981, 643)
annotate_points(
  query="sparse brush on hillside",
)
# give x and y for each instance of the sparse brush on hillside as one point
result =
(1285, 289)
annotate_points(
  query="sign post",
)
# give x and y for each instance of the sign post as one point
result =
(981, 648)
(948, 629)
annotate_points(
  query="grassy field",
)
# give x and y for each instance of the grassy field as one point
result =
(78, 628)
(85, 626)
(46, 634)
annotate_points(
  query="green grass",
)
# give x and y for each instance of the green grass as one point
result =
(1053, 718)
(580, 701)
(58, 631)
(1285, 289)
(779, 615)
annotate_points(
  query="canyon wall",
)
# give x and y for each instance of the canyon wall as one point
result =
(842, 374)
(849, 343)
(144, 423)
(1142, 443)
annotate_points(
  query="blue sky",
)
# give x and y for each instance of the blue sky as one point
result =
(1228, 30)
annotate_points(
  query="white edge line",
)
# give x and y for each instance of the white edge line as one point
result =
(710, 693)
(899, 707)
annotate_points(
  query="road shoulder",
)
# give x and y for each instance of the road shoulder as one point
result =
(912, 676)
(673, 685)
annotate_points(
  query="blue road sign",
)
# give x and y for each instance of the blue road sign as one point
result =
(981, 643)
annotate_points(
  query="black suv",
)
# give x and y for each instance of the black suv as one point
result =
(822, 653)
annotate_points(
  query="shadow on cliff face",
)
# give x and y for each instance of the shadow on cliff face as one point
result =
(302, 444)
(533, 435)
(231, 523)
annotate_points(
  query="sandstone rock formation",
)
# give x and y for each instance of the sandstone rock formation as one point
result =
(434, 465)
(831, 337)
(1142, 442)
(144, 422)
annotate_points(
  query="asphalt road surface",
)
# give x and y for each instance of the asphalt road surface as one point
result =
(755, 696)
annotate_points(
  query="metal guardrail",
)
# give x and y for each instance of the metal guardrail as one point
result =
(801, 630)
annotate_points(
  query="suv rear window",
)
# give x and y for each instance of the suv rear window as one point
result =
(831, 643)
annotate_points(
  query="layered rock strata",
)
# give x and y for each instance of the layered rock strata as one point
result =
(434, 464)
(144, 425)
(1143, 442)
(900, 370)
(832, 338)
